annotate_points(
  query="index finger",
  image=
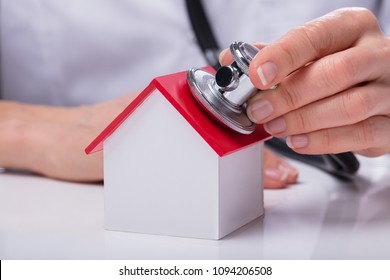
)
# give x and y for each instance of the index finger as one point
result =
(331, 33)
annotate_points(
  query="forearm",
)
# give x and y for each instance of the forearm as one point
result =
(51, 140)
(16, 147)
(27, 134)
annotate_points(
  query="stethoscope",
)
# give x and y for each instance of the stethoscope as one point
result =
(224, 96)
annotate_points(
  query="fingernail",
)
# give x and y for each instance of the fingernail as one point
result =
(276, 174)
(275, 126)
(297, 141)
(267, 72)
(260, 110)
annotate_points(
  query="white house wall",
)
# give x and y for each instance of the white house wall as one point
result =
(160, 175)
(241, 188)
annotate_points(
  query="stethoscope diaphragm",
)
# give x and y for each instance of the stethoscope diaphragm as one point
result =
(224, 94)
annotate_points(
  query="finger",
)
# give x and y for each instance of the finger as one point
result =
(331, 33)
(346, 108)
(274, 179)
(278, 173)
(226, 57)
(325, 77)
(372, 133)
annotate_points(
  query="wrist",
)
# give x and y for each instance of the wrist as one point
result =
(19, 145)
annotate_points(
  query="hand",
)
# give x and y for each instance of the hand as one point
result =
(50, 141)
(278, 173)
(333, 88)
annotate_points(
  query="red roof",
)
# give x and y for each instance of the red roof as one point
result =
(175, 89)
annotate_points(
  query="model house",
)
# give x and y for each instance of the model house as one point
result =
(171, 169)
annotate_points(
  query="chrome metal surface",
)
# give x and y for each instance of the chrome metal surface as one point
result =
(242, 93)
(243, 54)
(203, 87)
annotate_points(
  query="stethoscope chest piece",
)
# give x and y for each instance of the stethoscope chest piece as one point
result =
(224, 95)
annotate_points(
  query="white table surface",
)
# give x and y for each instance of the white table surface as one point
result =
(319, 218)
